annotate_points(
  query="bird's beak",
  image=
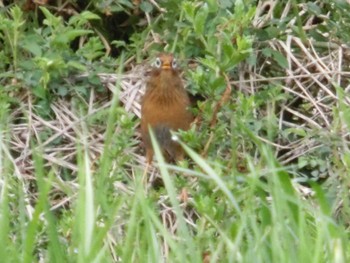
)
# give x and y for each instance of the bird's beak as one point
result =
(166, 66)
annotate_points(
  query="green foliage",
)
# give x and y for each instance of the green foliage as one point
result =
(43, 58)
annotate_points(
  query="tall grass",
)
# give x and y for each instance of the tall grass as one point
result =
(263, 219)
(256, 217)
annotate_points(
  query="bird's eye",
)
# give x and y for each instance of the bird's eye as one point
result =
(174, 63)
(158, 63)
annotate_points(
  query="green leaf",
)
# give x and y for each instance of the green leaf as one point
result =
(77, 65)
(70, 35)
(280, 59)
(89, 15)
(40, 91)
(225, 3)
(297, 131)
(209, 62)
(17, 16)
(313, 8)
(244, 45)
(118, 43)
(272, 31)
(146, 7)
(94, 80)
(252, 59)
(82, 18)
(62, 91)
(302, 162)
(188, 8)
(228, 49)
(200, 19)
(50, 20)
(213, 6)
(30, 43)
(277, 56)
(267, 52)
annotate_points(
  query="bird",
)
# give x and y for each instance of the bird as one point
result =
(165, 107)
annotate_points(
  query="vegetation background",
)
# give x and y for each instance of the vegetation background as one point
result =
(267, 178)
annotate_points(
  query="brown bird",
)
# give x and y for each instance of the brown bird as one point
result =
(164, 108)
